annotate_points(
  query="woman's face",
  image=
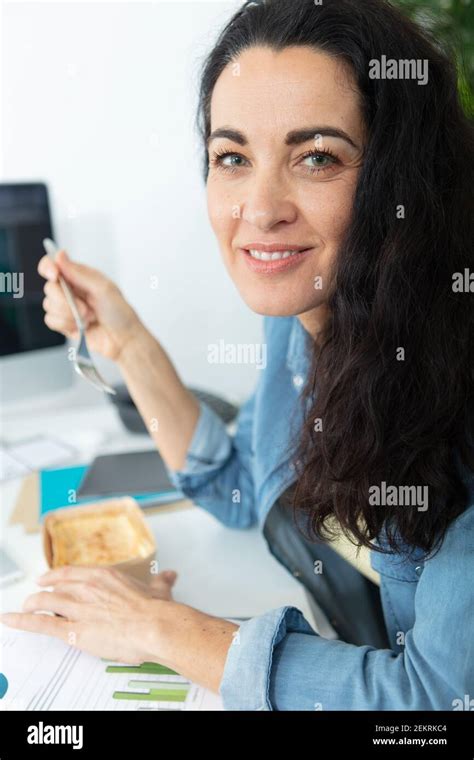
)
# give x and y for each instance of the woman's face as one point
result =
(273, 190)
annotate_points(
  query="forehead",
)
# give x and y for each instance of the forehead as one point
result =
(282, 90)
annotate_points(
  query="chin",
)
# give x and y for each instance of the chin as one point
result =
(270, 305)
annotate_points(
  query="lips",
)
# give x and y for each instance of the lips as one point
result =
(273, 261)
(274, 247)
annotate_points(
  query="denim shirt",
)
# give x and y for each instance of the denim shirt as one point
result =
(278, 662)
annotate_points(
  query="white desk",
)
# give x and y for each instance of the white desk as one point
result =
(220, 571)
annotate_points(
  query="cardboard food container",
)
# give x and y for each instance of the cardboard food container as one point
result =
(110, 533)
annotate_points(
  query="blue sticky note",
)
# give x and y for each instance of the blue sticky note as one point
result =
(58, 488)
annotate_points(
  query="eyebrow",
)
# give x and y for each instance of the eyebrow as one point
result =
(295, 137)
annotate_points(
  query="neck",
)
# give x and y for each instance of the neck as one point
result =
(314, 321)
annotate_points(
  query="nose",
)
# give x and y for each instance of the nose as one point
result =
(267, 201)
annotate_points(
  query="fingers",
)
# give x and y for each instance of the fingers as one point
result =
(59, 325)
(88, 584)
(58, 315)
(56, 300)
(83, 277)
(80, 591)
(50, 626)
(48, 269)
(56, 305)
(105, 577)
(157, 586)
(51, 601)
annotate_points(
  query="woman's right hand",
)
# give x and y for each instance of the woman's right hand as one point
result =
(115, 331)
(110, 320)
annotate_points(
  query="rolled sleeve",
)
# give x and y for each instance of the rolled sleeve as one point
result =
(279, 663)
(218, 471)
(245, 682)
(209, 449)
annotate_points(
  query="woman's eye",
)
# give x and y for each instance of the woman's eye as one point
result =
(318, 162)
(315, 162)
(228, 161)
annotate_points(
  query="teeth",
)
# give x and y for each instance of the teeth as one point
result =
(262, 256)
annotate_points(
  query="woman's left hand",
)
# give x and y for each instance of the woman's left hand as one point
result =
(102, 611)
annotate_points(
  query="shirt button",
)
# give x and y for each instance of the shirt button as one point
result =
(419, 569)
(298, 381)
(296, 573)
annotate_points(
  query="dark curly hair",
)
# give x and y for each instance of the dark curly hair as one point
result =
(401, 422)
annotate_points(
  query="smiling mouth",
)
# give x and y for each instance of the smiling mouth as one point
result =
(273, 261)
(275, 256)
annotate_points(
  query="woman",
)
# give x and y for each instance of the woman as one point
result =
(339, 199)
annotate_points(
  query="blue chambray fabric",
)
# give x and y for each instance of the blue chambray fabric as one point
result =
(278, 662)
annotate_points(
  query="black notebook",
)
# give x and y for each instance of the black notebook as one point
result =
(133, 473)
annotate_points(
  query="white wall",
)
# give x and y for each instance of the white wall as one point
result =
(98, 101)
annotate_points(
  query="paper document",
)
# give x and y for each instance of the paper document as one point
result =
(19, 458)
(44, 673)
(10, 467)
